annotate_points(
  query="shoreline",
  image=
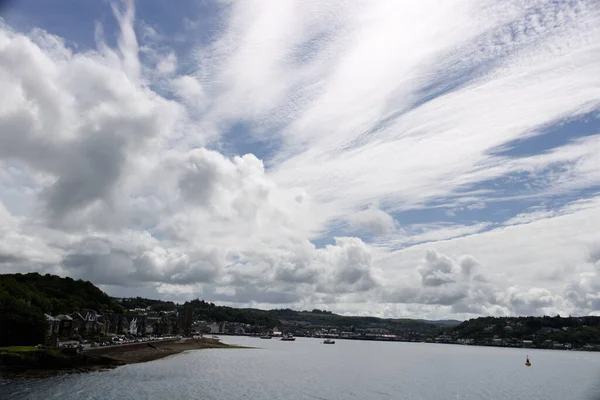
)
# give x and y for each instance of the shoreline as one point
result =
(45, 364)
(145, 352)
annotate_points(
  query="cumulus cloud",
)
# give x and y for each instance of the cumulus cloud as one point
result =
(139, 258)
(373, 220)
(462, 285)
(583, 292)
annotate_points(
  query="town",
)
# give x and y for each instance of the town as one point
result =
(140, 324)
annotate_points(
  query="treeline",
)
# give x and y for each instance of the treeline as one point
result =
(210, 312)
(140, 302)
(25, 298)
(577, 331)
(320, 318)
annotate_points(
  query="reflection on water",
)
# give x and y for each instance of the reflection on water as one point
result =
(307, 369)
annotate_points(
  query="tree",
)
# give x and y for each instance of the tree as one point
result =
(22, 324)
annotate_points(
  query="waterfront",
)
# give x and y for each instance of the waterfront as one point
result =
(306, 369)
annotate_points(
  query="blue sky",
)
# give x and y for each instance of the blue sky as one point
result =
(307, 155)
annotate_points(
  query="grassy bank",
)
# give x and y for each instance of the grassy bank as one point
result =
(31, 362)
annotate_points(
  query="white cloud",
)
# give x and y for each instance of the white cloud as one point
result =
(108, 169)
(422, 233)
(374, 220)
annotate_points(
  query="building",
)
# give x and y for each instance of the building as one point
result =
(214, 328)
(65, 325)
(53, 330)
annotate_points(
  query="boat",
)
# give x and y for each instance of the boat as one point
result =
(265, 337)
(288, 338)
(527, 363)
(328, 341)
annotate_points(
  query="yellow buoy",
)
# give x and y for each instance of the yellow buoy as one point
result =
(527, 363)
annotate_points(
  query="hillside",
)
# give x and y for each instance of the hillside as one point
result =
(53, 295)
(315, 318)
(329, 319)
(542, 331)
(447, 322)
(25, 298)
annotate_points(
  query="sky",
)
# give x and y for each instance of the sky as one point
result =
(421, 159)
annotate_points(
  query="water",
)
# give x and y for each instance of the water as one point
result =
(307, 369)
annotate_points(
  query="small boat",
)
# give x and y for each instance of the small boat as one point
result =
(527, 363)
(328, 341)
(288, 338)
(265, 337)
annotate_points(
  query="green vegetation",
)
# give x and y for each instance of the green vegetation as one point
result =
(327, 319)
(542, 331)
(316, 318)
(211, 312)
(155, 305)
(49, 362)
(24, 298)
(55, 295)
(18, 349)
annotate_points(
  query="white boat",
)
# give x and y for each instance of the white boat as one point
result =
(288, 338)
(328, 341)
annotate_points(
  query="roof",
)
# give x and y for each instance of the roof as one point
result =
(49, 317)
(63, 317)
(76, 315)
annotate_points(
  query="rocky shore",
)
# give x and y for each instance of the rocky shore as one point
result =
(44, 363)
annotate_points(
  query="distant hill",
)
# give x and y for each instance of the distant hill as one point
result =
(327, 318)
(542, 331)
(447, 322)
(140, 302)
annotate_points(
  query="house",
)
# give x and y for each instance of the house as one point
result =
(152, 325)
(78, 323)
(53, 330)
(113, 323)
(214, 328)
(91, 322)
(65, 325)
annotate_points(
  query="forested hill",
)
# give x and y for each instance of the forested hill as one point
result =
(578, 331)
(25, 298)
(327, 318)
(53, 295)
(314, 318)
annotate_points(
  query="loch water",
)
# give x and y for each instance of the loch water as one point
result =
(308, 369)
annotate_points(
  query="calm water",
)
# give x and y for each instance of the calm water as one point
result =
(307, 369)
